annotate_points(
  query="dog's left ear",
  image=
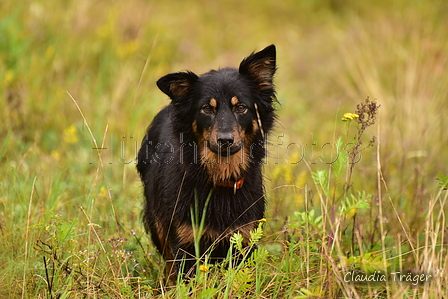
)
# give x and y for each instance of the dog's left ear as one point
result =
(261, 67)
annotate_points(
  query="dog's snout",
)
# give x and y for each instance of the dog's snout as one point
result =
(226, 138)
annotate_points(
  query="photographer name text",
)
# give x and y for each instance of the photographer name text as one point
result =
(412, 278)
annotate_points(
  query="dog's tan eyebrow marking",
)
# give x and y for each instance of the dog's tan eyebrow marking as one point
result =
(234, 101)
(213, 103)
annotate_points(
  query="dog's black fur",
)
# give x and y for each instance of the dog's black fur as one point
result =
(209, 140)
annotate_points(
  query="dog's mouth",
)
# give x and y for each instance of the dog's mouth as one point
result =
(225, 149)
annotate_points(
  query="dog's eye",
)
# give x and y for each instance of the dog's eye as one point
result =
(240, 108)
(207, 109)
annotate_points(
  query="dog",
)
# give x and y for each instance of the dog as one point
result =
(203, 153)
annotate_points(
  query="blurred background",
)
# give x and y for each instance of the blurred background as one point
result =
(73, 73)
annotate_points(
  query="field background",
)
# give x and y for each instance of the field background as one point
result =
(77, 75)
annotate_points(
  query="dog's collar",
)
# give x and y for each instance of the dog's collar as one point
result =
(232, 184)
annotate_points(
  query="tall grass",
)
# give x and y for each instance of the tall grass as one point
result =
(77, 92)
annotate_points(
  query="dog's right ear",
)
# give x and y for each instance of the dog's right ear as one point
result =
(177, 85)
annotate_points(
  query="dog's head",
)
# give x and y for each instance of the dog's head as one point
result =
(226, 108)
(225, 105)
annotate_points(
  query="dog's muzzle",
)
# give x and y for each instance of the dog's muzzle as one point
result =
(225, 145)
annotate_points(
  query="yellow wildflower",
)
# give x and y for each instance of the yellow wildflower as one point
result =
(350, 213)
(128, 49)
(262, 220)
(9, 77)
(56, 155)
(70, 135)
(103, 192)
(349, 116)
(203, 268)
(49, 52)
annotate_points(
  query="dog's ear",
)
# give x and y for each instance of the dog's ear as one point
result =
(261, 67)
(177, 85)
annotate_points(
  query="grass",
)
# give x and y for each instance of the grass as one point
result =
(76, 76)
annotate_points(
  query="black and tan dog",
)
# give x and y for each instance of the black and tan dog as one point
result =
(208, 142)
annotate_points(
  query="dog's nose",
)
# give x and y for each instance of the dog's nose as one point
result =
(225, 138)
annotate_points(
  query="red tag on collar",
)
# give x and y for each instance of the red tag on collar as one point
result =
(233, 184)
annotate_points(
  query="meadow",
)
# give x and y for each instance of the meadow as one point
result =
(356, 205)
